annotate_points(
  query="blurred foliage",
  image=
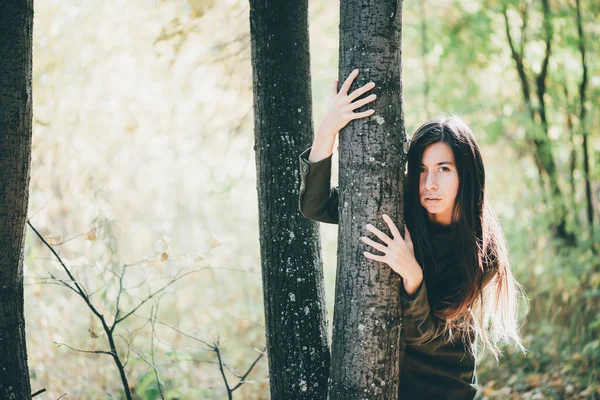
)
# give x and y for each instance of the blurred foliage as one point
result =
(143, 131)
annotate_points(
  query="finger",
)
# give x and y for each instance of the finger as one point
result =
(334, 87)
(363, 114)
(375, 245)
(348, 82)
(392, 226)
(384, 238)
(361, 90)
(362, 102)
(374, 257)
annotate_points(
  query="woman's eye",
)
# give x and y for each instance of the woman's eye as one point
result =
(445, 169)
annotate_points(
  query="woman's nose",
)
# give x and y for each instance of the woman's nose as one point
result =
(430, 182)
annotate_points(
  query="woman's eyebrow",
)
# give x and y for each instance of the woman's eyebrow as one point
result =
(440, 163)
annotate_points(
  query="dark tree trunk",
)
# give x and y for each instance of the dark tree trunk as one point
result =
(16, 29)
(295, 313)
(366, 348)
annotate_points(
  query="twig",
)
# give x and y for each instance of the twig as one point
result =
(85, 351)
(262, 353)
(75, 286)
(216, 348)
(152, 320)
(175, 279)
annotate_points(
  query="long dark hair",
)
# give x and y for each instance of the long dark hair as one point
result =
(460, 299)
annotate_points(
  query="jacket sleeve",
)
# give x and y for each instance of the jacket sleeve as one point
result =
(317, 200)
(421, 326)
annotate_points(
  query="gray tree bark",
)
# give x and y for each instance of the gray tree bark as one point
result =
(367, 347)
(295, 313)
(16, 28)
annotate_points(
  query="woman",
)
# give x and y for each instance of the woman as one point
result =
(458, 292)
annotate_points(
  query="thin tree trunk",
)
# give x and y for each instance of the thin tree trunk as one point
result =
(543, 155)
(582, 121)
(572, 154)
(295, 312)
(16, 30)
(366, 349)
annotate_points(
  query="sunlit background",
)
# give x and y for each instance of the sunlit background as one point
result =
(143, 155)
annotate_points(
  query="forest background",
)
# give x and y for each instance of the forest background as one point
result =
(143, 155)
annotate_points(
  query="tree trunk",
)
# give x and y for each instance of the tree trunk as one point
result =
(366, 349)
(543, 151)
(582, 121)
(295, 312)
(16, 28)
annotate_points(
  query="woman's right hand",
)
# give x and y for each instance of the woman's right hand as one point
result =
(340, 112)
(342, 106)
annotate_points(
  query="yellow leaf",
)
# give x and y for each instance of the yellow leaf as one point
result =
(213, 241)
(53, 240)
(91, 234)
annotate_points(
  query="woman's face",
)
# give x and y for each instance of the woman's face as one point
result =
(439, 182)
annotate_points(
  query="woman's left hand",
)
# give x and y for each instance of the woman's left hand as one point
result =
(398, 254)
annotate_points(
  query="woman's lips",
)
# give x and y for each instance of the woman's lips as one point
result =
(432, 200)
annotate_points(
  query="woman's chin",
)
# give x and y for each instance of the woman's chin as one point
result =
(433, 208)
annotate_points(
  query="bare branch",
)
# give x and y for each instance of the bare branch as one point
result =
(80, 290)
(132, 335)
(204, 342)
(86, 351)
(217, 350)
(106, 283)
(152, 320)
(52, 281)
(38, 210)
(135, 263)
(121, 277)
(156, 293)
(262, 353)
(215, 346)
(152, 364)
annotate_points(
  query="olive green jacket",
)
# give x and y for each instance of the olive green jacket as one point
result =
(433, 367)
